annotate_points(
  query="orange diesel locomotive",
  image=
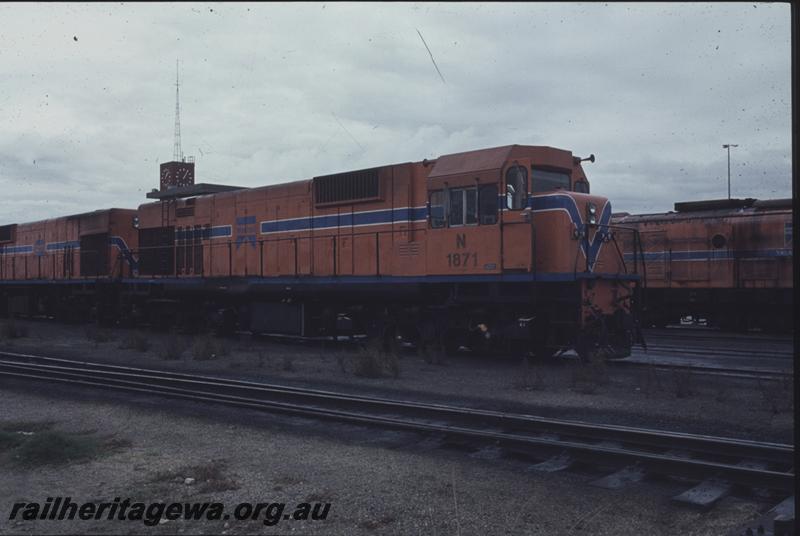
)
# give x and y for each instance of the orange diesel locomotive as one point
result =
(501, 247)
(729, 261)
(53, 266)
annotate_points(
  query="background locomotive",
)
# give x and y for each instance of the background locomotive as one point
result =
(501, 247)
(55, 266)
(728, 261)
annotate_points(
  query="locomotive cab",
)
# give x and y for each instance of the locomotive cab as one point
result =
(525, 214)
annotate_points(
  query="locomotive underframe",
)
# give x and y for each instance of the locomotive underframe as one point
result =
(735, 309)
(517, 317)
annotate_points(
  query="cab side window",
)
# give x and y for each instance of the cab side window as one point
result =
(516, 188)
(487, 204)
(463, 206)
(453, 207)
(437, 209)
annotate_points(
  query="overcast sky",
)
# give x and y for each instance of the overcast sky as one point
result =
(279, 92)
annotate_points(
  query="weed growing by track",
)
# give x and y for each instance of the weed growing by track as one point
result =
(373, 362)
(12, 330)
(135, 341)
(97, 335)
(173, 348)
(34, 444)
(206, 349)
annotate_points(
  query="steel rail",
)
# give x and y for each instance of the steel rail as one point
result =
(653, 462)
(773, 452)
(714, 336)
(722, 352)
(744, 373)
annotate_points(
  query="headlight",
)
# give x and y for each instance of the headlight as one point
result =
(591, 213)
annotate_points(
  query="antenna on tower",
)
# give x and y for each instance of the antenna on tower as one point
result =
(179, 173)
(177, 152)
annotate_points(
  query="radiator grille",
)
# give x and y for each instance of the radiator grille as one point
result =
(7, 233)
(347, 187)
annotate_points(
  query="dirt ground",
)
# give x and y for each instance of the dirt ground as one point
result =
(376, 483)
(144, 448)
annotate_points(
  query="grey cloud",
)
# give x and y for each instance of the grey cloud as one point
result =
(652, 89)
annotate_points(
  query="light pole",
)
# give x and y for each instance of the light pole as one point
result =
(728, 147)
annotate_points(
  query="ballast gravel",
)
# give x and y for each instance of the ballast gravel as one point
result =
(375, 483)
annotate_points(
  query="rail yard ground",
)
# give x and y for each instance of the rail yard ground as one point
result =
(374, 486)
(377, 482)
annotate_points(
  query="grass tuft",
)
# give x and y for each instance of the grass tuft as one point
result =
(12, 330)
(26, 426)
(373, 362)
(207, 348)
(54, 448)
(10, 440)
(135, 341)
(97, 335)
(173, 348)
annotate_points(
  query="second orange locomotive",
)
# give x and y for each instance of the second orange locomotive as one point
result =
(729, 261)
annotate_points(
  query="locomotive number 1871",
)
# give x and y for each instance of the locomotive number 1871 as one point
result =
(462, 259)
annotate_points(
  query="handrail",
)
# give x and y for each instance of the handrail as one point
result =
(205, 259)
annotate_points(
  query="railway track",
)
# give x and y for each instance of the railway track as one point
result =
(639, 452)
(712, 335)
(758, 354)
(707, 369)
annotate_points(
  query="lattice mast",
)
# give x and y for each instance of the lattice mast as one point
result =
(177, 151)
(179, 172)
